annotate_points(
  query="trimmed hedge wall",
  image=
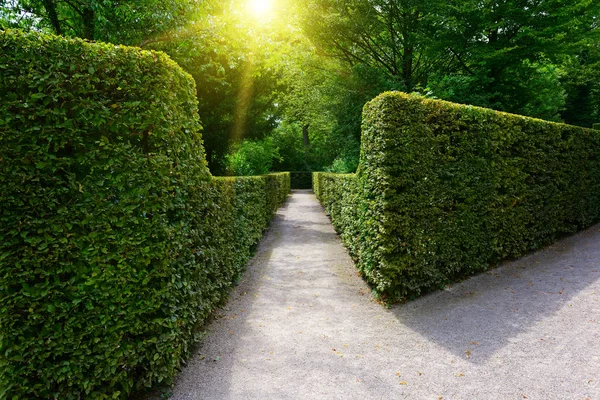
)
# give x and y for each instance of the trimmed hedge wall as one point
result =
(301, 179)
(115, 241)
(339, 193)
(596, 126)
(445, 190)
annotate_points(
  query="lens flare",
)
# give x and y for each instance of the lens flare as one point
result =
(260, 8)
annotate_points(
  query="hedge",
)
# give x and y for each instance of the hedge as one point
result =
(115, 241)
(446, 190)
(301, 179)
(596, 126)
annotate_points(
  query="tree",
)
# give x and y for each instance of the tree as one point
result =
(120, 22)
(498, 49)
(581, 80)
(252, 157)
(236, 80)
(389, 36)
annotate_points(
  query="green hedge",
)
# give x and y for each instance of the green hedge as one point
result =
(301, 179)
(596, 126)
(115, 241)
(339, 193)
(445, 190)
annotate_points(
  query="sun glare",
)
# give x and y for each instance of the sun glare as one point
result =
(260, 8)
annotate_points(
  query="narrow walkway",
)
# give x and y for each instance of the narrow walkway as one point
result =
(303, 325)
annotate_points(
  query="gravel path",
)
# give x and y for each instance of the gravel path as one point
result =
(303, 325)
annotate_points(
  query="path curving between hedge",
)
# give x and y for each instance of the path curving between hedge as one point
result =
(303, 325)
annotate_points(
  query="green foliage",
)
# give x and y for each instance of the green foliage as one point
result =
(235, 83)
(522, 57)
(596, 126)
(111, 21)
(340, 194)
(236, 80)
(314, 75)
(581, 80)
(344, 165)
(115, 241)
(507, 51)
(389, 37)
(252, 157)
(295, 156)
(529, 88)
(444, 190)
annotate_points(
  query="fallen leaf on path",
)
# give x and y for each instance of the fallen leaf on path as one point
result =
(404, 383)
(468, 353)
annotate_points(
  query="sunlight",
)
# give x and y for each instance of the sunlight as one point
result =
(260, 8)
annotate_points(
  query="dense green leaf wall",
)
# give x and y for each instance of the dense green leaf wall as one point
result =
(445, 190)
(115, 241)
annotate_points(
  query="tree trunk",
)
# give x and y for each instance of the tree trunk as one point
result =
(50, 7)
(407, 66)
(305, 135)
(89, 24)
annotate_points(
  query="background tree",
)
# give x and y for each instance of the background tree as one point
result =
(505, 53)
(120, 22)
(392, 37)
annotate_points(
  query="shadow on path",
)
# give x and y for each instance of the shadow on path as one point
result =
(490, 311)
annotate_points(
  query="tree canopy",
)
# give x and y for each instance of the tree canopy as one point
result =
(292, 76)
